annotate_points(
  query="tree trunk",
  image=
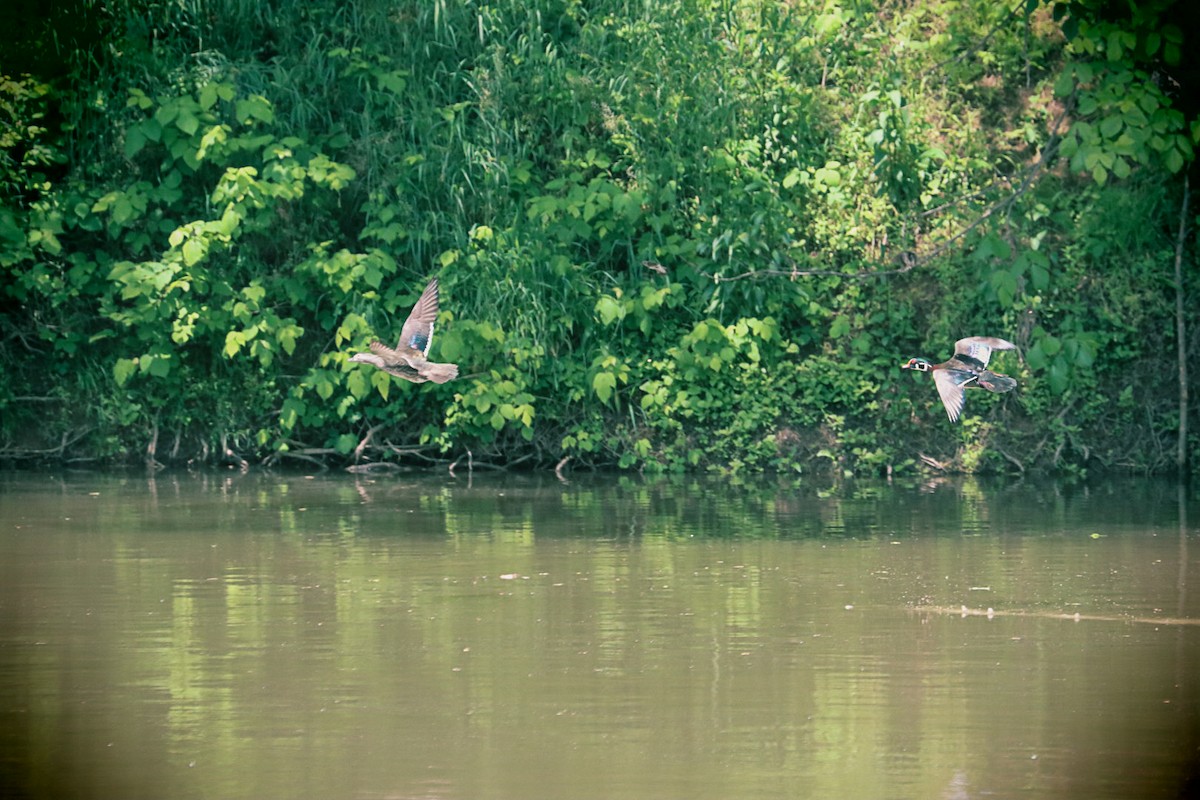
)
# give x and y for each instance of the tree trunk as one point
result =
(1181, 456)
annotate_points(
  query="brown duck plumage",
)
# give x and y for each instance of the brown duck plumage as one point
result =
(409, 358)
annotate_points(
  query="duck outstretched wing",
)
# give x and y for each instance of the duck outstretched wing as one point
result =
(417, 333)
(950, 384)
(978, 349)
(389, 356)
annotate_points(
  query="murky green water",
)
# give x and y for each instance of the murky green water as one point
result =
(510, 637)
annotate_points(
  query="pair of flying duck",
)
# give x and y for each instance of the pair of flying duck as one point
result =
(967, 368)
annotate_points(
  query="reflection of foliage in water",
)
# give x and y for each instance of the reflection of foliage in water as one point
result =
(239, 621)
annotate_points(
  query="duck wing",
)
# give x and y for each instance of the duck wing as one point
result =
(417, 333)
(402, 365)
(390, 357)
(975, 351)
(950, 384)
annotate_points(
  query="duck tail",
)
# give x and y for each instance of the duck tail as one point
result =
(995, 382)
(439, 373)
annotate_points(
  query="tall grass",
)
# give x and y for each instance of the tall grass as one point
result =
(762, 158)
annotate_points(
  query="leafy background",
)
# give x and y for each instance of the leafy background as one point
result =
(670, 236)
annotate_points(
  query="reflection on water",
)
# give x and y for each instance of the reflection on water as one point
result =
(512, 637)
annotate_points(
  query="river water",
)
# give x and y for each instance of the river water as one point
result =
(511, 636)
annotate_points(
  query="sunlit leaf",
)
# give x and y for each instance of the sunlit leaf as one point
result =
(123, 369)
(233, 343)
(603, 385)
(609, 309)
(193, 251)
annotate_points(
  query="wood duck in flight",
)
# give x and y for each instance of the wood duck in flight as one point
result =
(409, 360)
(966, 369)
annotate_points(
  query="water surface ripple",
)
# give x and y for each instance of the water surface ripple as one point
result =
(268, 636)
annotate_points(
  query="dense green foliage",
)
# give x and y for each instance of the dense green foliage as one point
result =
(669, 235)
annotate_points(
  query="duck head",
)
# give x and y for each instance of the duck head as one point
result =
(367, 358)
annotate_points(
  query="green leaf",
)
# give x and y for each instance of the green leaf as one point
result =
(187, 122)
(1004, 283)
(123, 369)
(358, 383)
(603, 385)
(233, 343)
(159, 365)
(193, 251)
(1065, 84)
(135, 140)
(1059, 376)
(382, 382)
(1085, 357)
(255, 107)
(1036, 358)
(1171, 53)
(1039, 276)
(1114, 48)
(293, 409)
(1152, 42)
(208, 96)
(1173, 160)
(372, 275)
(287, 337)
(609, 309)
(122, 209)
(392, 81)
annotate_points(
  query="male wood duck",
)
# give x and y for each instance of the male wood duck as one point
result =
(409, 360)
(966, 369)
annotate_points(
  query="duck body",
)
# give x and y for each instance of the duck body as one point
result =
(966, 369)
(409, 359)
